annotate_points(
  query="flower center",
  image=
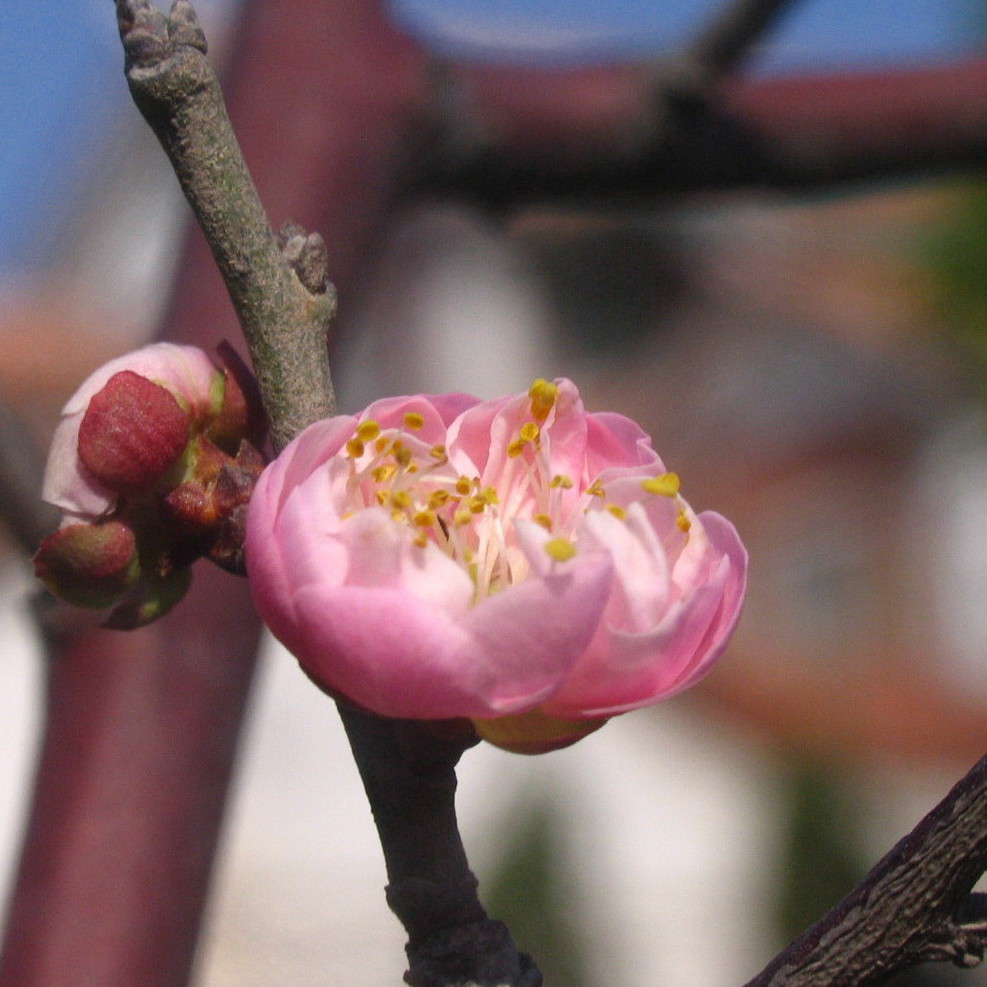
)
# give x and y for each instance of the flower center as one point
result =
(444, 501)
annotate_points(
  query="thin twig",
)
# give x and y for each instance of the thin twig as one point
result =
(408, 772)
(284, 318)
(723, 43)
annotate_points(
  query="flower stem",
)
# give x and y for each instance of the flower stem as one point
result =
(409, 774)
(280, 291)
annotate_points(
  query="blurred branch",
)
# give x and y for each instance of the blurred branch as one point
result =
(626, 134)
(916, 905)
(22, 512)
(727, 39)
(139, 735)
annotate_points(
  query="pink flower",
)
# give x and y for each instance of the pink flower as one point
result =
(519, 562)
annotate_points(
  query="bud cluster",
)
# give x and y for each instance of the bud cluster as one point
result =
(153, 465)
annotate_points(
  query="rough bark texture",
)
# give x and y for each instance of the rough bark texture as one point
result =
(914, 906)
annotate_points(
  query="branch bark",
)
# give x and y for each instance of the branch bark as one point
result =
(916, 905)
(722, 44)
(280, 291)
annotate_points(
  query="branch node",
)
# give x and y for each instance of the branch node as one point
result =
(481, 954)
(143, 31)
(307, 256)
(184, 27)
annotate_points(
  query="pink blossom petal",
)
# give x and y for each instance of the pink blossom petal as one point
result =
(623, 670)
(530, 571)
(616, 441)
(392, 652)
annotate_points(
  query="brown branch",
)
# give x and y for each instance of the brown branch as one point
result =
(914, 906)
(284, 303)
(594, 136)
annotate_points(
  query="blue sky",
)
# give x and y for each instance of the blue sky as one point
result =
(61, 83)
(812, 33)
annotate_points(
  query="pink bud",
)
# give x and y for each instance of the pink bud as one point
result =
(185, 373)
(518, 562)
(132, 431)
(150, 462)
(240, 414)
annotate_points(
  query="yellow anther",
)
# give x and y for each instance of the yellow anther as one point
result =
(666, 485)
(617, 511)
(367, 431)
(595, 489)
(438, 452)
(382, 445)
(476, 505)
(489, 495)
(397, 515)
(402, 454)
(354, 448)
(421, 539)
(382, 474)
(424, 519)
(381, 497)
(401, 499)
(560, 549)
(414, 420)
(515, 448)
(462, 517)
(543, 394)
(437, 498)
(560, 480)
(684, 524)
(413, 467)
(530, 431)
(544, 520)
(464, 485)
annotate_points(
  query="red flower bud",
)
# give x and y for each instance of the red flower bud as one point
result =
(133, 430)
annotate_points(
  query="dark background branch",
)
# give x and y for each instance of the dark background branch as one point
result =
(595, 136)
(726, 41)
(22, 513)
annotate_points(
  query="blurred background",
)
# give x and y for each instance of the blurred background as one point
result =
(812, 366)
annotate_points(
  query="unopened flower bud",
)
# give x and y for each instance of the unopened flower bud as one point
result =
(152, 466)
(238, 414)
(150, 598)
(132, 431)
(88, 565)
